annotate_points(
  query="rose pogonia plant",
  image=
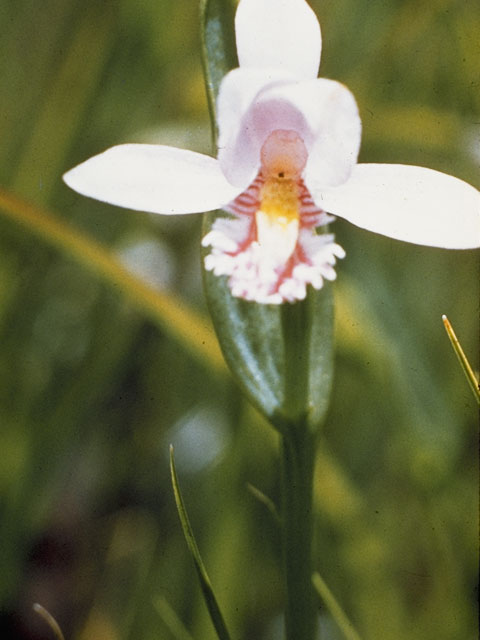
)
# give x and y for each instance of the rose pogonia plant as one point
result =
(287, 159)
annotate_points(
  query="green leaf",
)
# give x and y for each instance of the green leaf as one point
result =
(307, 331)
(281, 356)
(169, 313)
(205, 584)
(218, 48)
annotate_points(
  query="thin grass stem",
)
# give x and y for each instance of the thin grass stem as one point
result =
(462, 358)
(336, 611)
(50, 620)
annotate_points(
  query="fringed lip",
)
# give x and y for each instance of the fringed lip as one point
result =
(261, 271)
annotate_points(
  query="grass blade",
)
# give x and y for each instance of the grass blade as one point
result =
(205, 584)
(171, 619)
(336, 611)
(462, 358)
(266, 501)
(165, 310)
(50, 620)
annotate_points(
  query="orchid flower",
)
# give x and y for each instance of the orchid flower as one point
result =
(287, 160)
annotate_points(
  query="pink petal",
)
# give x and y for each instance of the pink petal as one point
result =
(322, 112)
(281, 34)
(238, 143)
(408, 203)
(153, 178)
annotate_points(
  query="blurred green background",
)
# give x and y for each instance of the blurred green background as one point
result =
(92, 391)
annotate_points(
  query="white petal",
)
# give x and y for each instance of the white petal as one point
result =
(332, 115)
(153, 178)
(282, 34)
(322, 112)
(408, 203)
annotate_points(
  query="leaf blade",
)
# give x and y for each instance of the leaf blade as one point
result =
(164, 309)
(171, 619)
(336, 611)
(205, 584)
(462, 358)
(254, 345)
(218, 49)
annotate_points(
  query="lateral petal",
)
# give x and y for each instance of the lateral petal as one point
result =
(282, 34)
(408, 203)
(333, 120)
(153, 178)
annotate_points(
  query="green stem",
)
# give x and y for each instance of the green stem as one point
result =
(298, 462)
(296, 327)
(298, 449)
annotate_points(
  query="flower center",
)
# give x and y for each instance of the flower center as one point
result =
(269, 248)
(283, 158)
